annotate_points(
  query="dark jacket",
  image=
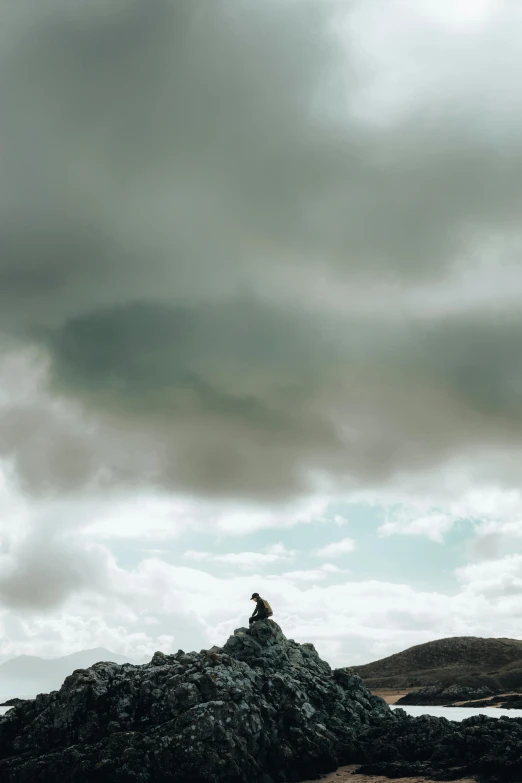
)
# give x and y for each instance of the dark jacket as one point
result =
(260, 611)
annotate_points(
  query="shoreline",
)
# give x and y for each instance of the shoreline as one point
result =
(346, 775)
(391, 697)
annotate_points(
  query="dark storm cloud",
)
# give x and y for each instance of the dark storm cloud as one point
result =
(186, 191)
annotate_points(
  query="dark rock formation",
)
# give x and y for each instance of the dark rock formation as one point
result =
(12, 702)
(437, 696)
(263, 709)
(511, 701)
(489, 749)
(460, 696)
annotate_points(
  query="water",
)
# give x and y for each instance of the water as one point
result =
(460, 713)
(451, 713)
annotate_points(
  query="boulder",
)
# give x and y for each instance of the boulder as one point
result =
(488, 749)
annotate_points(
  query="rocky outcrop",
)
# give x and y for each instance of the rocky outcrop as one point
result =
(508, 701)
(460, 696)
(488, 749)
(12, 702)
(437, 696)
(262, 709)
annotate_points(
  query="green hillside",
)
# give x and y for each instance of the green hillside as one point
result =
(463, 660)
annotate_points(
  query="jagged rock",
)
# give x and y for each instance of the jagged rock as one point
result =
(12, 702)
(489, 749)
(262, 709)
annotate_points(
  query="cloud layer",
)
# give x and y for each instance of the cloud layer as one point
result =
(255, 257)
(272, 272)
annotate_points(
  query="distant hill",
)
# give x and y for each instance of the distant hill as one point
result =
(463, 660)
(27, 675)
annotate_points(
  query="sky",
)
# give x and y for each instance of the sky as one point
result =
(260, 323)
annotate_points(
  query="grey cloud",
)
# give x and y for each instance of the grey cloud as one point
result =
(221, 417)
(476, 357)
(181, 194)
(487, 547)
(47, 567)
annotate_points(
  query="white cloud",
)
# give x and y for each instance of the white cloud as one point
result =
(405, 522)
(276, 553)
(440, 52)
(157, 605)
(311, 575)
(154, 517)
(493, 576)
(63, 633)
(330, 568)
(314, 574)
(234, 519)
(149, 518)
(337, 548)
(491, 511)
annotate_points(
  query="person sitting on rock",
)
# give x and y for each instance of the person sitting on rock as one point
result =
(262, 611)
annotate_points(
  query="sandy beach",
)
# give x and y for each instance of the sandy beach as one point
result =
(345, 775)
(391, 696)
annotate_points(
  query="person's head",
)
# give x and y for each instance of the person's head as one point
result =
(255, 596)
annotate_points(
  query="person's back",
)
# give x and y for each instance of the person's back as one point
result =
(268, 608)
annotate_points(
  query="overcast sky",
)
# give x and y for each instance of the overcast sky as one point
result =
(260, 322)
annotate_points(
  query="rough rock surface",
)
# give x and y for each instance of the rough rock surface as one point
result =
(12, 702)
(262, 709)
(508, 701)
(489, 749)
